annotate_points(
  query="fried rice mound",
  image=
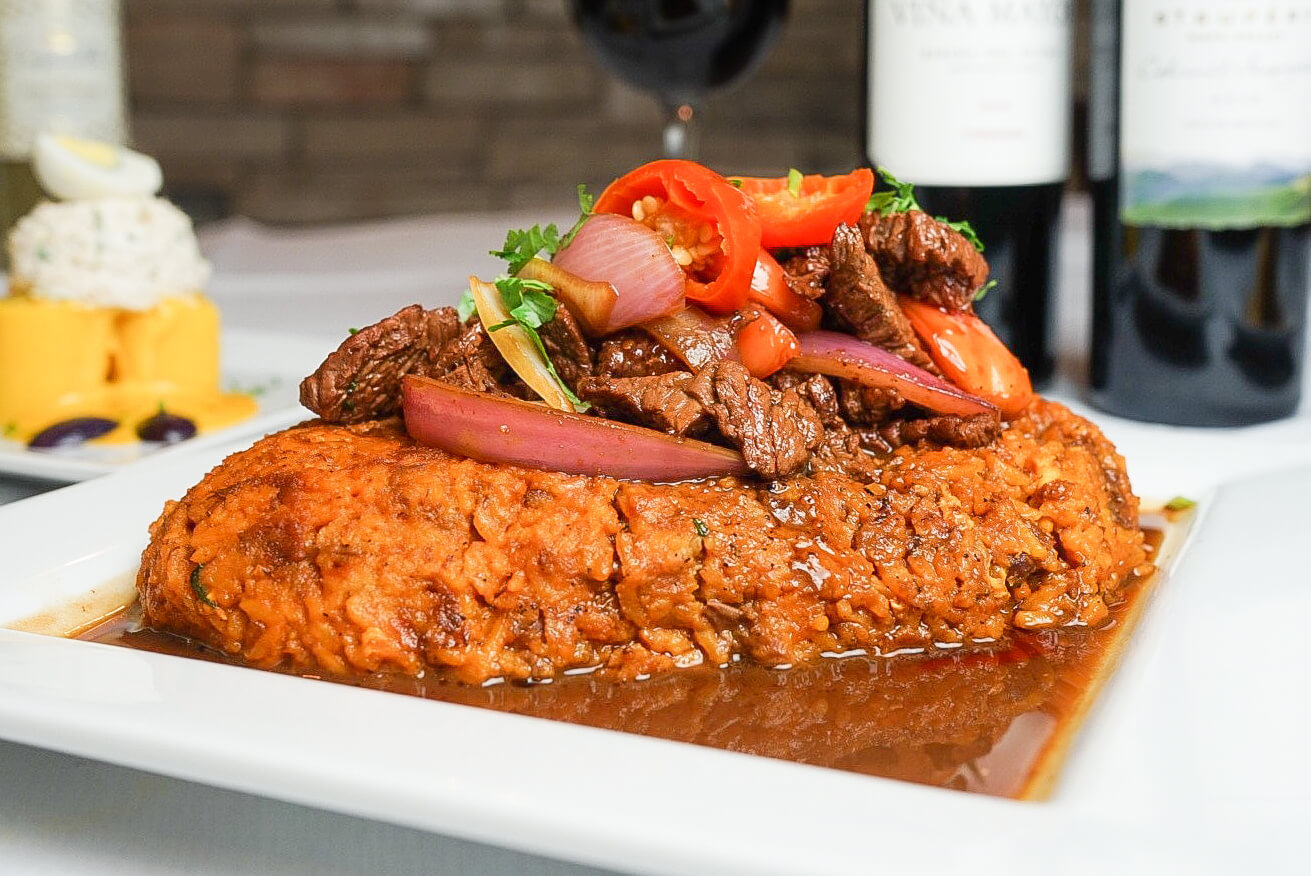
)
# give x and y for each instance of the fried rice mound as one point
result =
(352, 550)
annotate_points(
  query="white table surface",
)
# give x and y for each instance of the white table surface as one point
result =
(61, 814)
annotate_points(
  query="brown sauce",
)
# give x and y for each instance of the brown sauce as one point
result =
(992, 719)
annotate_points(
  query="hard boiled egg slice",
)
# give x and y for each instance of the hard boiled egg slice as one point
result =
(72, 169)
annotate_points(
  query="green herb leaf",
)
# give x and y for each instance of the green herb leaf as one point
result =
(965, 229)
(11, 428)
(734, 181)
(900, 199)
(467, 307)
(522, 246)
(984, 290)
(794, 182)
(1180, 503)
(700, 527)
(353, 331)
(530, 308)
(198, 589)
(585, 202)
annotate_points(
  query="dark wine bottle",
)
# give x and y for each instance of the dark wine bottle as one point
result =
(970, 101)
(1199, 162)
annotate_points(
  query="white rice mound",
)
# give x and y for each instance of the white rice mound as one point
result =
(127, 252)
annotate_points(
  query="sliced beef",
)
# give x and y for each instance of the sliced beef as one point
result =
(659, 401)
(775, 430)
(361, 379)
(471, 361)
(815, 389)
(844, 451)
(567, 347)
(807, 271)
(634, 354)
(859, 299)
(922, 257)
(976, 430)
(866, 405)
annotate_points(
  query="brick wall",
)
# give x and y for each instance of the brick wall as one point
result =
(298, 111)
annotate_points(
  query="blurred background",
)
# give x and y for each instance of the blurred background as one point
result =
(309, 111)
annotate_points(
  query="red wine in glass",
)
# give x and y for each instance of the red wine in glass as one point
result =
(680, 50)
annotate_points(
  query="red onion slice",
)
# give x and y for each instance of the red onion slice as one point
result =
(634, 260)
(498, 429)
(839, 355)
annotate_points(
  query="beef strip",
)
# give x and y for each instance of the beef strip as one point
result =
(659, 401)
(361, 379)
(808, 270)
(922, 257)
(975, 430)
(567, 348)
(816, 390)
(633, 353)
(866, 405)
(859, 299)
(775, 430)
(471, 361)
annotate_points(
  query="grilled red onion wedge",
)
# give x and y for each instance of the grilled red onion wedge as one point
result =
(500, 429)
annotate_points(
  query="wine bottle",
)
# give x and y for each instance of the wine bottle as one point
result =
(970, 101)
(1200, 167)
(60, 71)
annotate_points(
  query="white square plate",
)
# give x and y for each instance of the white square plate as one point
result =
(1192, 758)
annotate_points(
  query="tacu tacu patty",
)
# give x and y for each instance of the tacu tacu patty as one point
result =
(351, 549)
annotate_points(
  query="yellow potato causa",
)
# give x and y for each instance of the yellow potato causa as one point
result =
(62, 359)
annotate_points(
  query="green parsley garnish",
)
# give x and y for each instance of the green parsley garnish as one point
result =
(984, 290)
(700, 527)
(734, 181)
(353, 331)
(794, 182)
(585, 202)
(199, 589)
(522, 246)
(531, 306)
(901, 199)
(11, 428)
(1180, 503)
(467, 307)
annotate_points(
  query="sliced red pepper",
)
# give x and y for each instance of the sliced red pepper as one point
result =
(769, 288)
(971, 356)
(807, 212)
(710, 226)
(766, 345)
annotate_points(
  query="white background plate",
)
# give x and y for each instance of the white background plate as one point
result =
(1193, 757)
(268, 362)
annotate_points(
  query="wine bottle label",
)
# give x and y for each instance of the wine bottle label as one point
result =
(60, 70)
(970, 93)
(1215, 113)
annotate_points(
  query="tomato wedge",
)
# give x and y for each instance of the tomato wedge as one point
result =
(769, 288)
(807, 213)
(710, 226)
(766, 345)
(971, 356)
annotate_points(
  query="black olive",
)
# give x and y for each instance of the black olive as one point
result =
(165, 428)
(71, 433)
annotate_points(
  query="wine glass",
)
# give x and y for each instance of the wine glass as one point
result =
(681, 50)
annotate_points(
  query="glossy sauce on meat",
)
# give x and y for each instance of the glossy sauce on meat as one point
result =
(993, 719)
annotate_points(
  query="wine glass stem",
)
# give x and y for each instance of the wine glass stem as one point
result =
(682, 132)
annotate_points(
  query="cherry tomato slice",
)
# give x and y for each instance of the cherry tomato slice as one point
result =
(711, 227)
(807, 215)
(971, 356)
(769, 288)
(766, 345)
